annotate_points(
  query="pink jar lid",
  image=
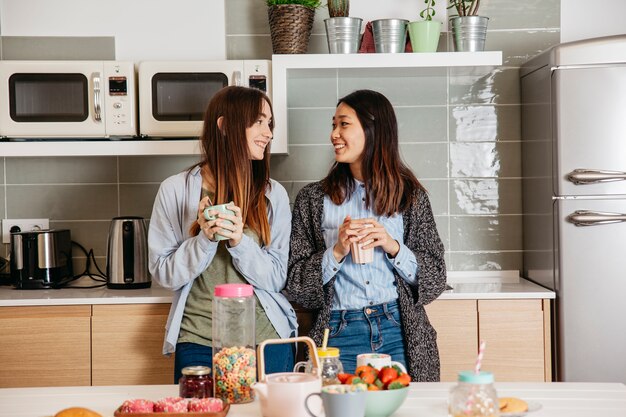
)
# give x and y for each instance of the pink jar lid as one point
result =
(233, 290)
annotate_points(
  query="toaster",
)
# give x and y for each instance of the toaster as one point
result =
(41, 259)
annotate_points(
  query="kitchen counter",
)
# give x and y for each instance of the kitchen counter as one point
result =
(424, 400)
(488, 285)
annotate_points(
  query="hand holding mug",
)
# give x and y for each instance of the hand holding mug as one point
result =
(225, 222)
(376, 236)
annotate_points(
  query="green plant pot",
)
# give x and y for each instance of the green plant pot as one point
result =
(424, 35)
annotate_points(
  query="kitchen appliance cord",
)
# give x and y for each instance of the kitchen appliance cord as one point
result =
(98, 277)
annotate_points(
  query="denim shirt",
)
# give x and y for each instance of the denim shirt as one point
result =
(362, 285)
(176, 259)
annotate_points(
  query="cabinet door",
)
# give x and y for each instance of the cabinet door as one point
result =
(514, 333)
(45, 346)
(457, 334)
(127, 341)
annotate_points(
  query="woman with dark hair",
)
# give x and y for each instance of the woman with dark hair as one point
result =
(371, 197)
(184, 254)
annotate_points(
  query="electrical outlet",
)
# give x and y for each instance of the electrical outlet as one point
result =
(25, 225)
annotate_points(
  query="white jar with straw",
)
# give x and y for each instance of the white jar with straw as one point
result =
(474, 395)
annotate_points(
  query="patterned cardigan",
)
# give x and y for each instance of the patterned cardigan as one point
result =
(304, 276)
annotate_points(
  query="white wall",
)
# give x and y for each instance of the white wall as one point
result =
(584, 19)
(143, 29)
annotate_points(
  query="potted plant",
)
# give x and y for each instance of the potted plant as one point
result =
(424, 34)
(469, 30)
(343, 33)
(291, 22)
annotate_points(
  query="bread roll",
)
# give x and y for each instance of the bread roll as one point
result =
(77, 412)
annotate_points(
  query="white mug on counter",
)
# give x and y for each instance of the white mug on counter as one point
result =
(377, 360)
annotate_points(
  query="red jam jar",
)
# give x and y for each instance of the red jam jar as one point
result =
(196, 382)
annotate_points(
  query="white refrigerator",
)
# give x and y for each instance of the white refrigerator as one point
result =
(574, 201)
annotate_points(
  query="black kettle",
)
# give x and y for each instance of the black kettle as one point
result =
(127, 254)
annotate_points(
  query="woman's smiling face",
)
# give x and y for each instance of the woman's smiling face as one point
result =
(347, 136)
(259, 134)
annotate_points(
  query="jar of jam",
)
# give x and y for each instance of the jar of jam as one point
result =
(196, 382)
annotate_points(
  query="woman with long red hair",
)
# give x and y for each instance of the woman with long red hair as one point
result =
(184, 253)
(371, 198)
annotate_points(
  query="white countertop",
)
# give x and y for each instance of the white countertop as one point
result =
(465, 286)
(424, 399)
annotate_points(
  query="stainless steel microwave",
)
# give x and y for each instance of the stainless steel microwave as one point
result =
(173, 95)
(67, 99)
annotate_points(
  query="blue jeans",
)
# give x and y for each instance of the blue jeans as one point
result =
(374, 329)
(278, 358)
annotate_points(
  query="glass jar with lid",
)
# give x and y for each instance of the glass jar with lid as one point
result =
(330, 365)
(234, 354)
(473, 396)
(196, 382)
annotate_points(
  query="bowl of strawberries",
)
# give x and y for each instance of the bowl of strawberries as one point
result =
(387, 388)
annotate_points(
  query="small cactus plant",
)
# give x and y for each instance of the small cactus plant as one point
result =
(338, 8)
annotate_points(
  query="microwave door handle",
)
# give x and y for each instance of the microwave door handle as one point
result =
(595, 218)
(97, 108)
(592, 176)
(236, 78)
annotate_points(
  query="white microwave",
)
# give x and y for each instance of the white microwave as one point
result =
(173, 95)
(67, 99)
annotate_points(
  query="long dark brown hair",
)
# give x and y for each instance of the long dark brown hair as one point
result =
(226, 156)
(385, 176)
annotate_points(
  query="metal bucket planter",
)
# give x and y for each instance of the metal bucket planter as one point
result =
(469, 33)
(424, 35)
(389, 35)
(343, 34)
(290, 28)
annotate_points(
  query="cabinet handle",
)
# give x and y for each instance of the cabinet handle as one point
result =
(96, 97)
(591, 176)
(595, 218)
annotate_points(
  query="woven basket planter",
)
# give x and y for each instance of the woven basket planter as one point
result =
(290, 27)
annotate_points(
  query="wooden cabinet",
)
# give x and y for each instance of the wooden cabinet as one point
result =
(457, 334)
(516, 332)
(127, 341)
(45, 346)
(84, 345)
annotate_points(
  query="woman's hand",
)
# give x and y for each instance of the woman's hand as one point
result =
(208, 227)
(378, 236)
(234, 231)
(349, 232)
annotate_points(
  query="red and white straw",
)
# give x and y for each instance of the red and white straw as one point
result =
(479, 358)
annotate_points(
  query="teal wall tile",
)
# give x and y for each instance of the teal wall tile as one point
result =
(304, 163)
(486, 261)
(485, 159)
(312, 88)
(41, 48)
(486, 196)
(310, 126)
(514, 14)
(485, 233)
(248, 47)
(62, 202)
(422, 124)
(478, 123)
(153, 168)
(437, 194)
(474, 86)
(519, 46)
(137, 199)
(61, 170)
(427, 160)
(91, 234)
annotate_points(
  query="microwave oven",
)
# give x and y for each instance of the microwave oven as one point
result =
(67, 99)
(173, 95)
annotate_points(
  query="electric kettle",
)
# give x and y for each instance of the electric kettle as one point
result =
(127, 254)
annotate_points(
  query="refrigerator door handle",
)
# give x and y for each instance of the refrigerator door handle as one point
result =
(595, 218)
(591, 176)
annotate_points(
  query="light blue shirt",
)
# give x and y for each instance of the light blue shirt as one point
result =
(361, 285)
(176, 259)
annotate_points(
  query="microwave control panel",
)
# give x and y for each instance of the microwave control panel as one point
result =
(119, 99)
(257, 74)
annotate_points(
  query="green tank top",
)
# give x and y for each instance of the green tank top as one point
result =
(198, 318)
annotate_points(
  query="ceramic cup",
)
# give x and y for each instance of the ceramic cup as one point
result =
(360, 255)
(222, 209)
(340, 401)
(377, 360)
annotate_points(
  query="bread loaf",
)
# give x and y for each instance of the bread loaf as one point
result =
(77, 412)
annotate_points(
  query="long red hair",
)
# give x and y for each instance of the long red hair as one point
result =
(226, 159)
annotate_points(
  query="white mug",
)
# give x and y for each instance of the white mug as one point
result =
(377, 360)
